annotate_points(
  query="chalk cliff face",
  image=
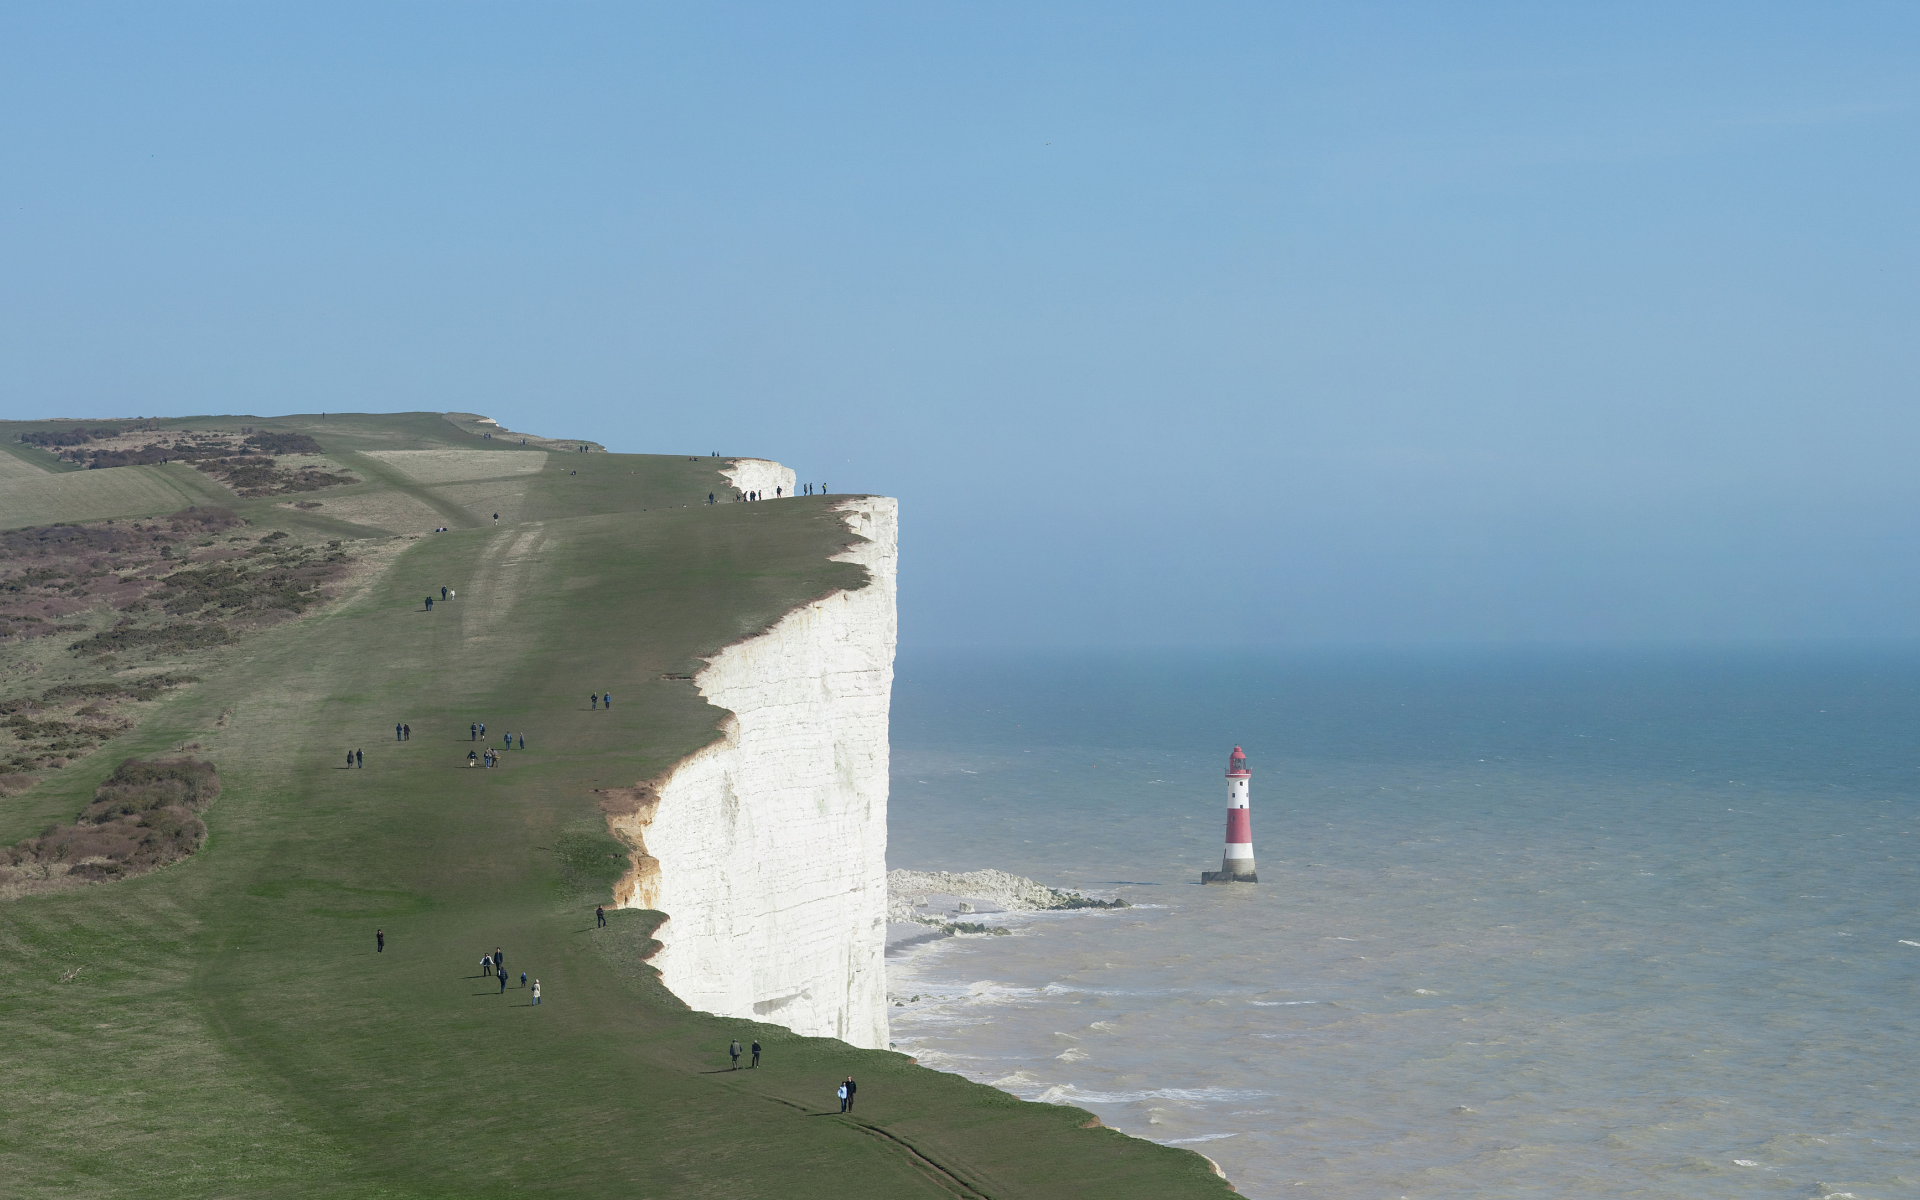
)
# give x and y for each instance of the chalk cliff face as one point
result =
(759, 475)
(767, 850)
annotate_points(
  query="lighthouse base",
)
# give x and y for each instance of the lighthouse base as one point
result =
(1228, 877)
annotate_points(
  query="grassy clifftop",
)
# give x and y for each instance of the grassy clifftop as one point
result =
(224, 1026)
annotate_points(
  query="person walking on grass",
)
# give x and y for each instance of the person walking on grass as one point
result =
(733, 1052)
(523, 740)
(360, 757)
(396, 733)
(473, 732)
(593, 698)
(606, 701)
(600, 916)
(756, 1052)
(349, 759)
(429, 603)
(443, 593)
(471, 758)
(380, 944)
(486, 965)
(842, 1093)
(536, 992)
(851, 1087)
(503, 981)
(409, 733)
(523, 979)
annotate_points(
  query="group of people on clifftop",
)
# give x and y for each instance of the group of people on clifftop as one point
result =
(490, 757)
(495, 964)
(749, 497)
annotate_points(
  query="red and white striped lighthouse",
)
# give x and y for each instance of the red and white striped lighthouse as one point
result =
(1236, 865)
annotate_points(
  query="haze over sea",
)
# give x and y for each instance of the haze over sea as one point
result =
(1529, 923)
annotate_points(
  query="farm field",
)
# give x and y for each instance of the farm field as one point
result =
(34, 497)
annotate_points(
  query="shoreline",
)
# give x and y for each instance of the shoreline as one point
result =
(930, 906)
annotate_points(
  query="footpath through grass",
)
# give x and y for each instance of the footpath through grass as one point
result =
(224, 1027)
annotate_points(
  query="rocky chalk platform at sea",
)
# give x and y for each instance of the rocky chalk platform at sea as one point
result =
(925, 906)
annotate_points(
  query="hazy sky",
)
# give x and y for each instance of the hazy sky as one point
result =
(1167, 324)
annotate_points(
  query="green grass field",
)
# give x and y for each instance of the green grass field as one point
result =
(42, 498)
(224, 1027)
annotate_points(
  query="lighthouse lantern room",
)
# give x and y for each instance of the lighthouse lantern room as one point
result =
(1236, 865)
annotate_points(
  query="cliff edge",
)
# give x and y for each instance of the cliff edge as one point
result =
(767, 848)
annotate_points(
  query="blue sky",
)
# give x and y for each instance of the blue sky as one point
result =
(1182, 324)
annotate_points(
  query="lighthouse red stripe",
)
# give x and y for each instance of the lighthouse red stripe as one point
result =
(1239, 825)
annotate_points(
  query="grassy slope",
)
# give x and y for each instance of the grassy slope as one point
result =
(231, 1031)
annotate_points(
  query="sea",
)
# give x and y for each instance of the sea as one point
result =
(1558, 922)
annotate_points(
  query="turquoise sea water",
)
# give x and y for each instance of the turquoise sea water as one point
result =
(1528, 924)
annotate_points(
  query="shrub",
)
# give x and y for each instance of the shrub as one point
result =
(68, 437)
(284, 443)
(145, 815)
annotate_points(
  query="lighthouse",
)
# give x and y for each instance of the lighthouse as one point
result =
(1236, 865)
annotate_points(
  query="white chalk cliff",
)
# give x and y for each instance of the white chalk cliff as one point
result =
(759, 475)
(767, 850)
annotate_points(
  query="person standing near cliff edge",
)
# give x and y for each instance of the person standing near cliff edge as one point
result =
(756, 1052)
(733, 1052)
(600, 916)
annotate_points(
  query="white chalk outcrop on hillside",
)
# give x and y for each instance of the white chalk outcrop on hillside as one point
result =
(759, 475)
(767, 850)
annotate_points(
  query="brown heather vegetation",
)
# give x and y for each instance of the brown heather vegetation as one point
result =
(66, 722)
(161, 588)
(252, 477)
(144, 816)
(177, 587)
(246, 466)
